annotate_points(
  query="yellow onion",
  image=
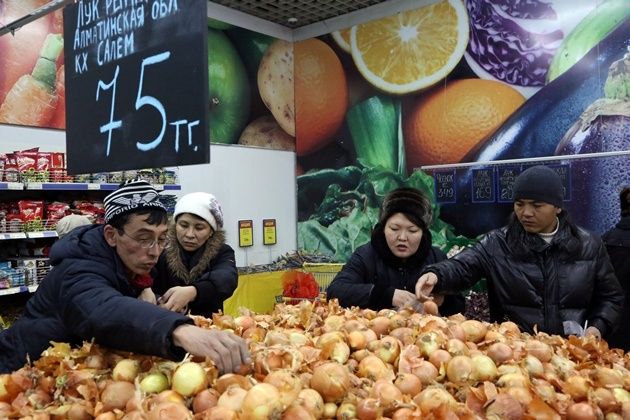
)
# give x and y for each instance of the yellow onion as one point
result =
(608, 378)
(563, 365)
(459, 369)
(577, 387)
(368, 409)
(408, 384)
(397, 321)
(440, 357)
(522, 395)
(229, 379)
(533, 366)
(331, 380)
(126, 370)
(475, 330)
(430, 307)
(542, 351)
(346, 410)
(154, 382)
(504, 407)
(205, 400)
(373, 368)
(457, 347)
(244, 322)
(116, 394)
(189, 378)
(581, 411)
(604, 398)
(428, 342)
(513, 380)
(434, 397)
(356, 340)
(455, 330)
(425, 371)
(500, 352)
(380, 325)
(287, 383)
(330, 410)
(297, 412)
(545, 390)
(169, 411)
(333, 323)
(386, 393)
(353, 325)
(621, 395)
(262, 402)
(232, 398)
(484, 368)
(312, 402)
(387, 349)
(509, 328)
(276, 337)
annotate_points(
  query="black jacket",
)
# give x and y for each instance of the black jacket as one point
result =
(617, 242)
(372, 273)
(211, 270)
(87, 295)
(533, 283)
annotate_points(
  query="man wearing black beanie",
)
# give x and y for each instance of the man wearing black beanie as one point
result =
(543, 272)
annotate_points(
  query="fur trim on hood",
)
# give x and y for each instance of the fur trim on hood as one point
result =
(210, 250)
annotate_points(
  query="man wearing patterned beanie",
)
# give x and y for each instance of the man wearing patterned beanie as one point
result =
(544, 273)
(91, 293)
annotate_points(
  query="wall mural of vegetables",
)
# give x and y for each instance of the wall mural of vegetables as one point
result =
(468, 81)
(31, 68)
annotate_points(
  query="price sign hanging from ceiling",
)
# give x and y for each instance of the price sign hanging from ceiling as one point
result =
(136, 84)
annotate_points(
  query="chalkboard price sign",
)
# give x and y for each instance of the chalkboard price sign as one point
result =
(444, 186)
(136, 84)
(483, 186)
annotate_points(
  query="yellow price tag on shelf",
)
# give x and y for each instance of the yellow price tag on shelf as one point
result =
(245, 233)
(269, 232)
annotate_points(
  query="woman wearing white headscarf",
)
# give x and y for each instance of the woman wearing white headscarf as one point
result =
(198, 271)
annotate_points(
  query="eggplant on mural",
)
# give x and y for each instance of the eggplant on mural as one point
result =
(460, 82)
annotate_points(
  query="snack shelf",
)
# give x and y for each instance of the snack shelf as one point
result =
(19, 289)
(85, 186)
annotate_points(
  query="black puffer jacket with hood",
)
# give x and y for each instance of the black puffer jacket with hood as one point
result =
(533, 283)
(373, 273)
(87, 296)
(211, 270)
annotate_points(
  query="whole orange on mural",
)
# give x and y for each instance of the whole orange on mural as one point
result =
(321, 95)
(447, 122)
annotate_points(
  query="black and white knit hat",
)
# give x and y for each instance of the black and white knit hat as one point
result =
(131, 197)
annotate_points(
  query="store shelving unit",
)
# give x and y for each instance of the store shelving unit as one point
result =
(49, 229)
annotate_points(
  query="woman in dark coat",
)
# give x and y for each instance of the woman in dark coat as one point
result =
(617, 242)
(199, 271)
(383, 273)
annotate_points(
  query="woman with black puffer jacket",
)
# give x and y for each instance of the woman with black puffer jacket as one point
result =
(383, 273)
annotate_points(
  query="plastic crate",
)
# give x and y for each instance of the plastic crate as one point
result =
(324, 273)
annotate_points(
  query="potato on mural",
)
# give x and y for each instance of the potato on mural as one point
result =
(266, 132)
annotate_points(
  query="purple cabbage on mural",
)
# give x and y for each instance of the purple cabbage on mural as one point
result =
(504, 48)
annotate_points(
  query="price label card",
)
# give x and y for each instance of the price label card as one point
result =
(506, 175)
(444, 186)
(269, 232)
(483, 186)
(136, 74)
(245, 233)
